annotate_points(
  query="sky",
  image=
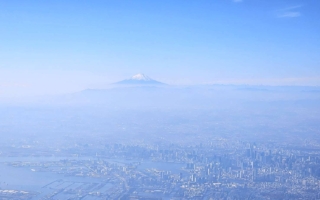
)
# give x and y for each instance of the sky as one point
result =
(59, 46)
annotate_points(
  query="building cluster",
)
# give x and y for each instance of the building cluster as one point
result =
(214, 170)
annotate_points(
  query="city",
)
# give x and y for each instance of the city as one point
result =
(220, 169)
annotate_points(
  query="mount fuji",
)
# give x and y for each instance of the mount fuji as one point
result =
(139, 79)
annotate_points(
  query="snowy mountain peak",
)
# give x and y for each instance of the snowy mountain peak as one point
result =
(141, 77)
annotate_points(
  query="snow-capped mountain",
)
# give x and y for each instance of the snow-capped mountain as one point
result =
(139, 79)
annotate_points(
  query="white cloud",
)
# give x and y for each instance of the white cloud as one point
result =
(289, 12)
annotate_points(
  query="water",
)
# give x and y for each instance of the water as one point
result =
(173, 167)
(22, 178)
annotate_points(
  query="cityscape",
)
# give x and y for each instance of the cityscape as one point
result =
(216, 169)
(151, 149)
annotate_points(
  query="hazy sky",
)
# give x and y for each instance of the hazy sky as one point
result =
(59, 46)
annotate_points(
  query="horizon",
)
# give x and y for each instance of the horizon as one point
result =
(108, 85)
(69, 46)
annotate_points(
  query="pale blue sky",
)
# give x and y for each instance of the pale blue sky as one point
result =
(59, 46)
